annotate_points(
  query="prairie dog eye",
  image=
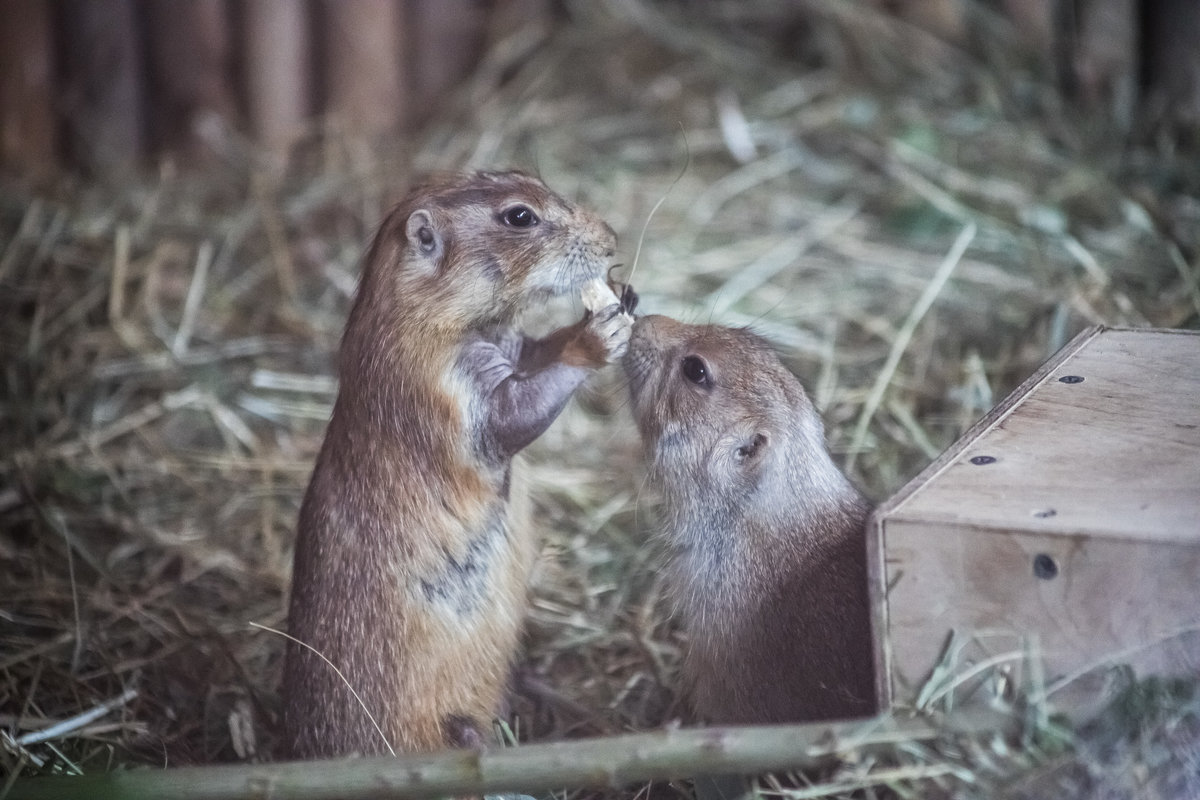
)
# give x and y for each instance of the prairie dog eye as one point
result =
(519, 217)
(696, 371)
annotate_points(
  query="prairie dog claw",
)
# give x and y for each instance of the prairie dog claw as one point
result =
(609, 322)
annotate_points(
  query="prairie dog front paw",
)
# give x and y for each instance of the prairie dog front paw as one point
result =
(610, 324)
(612, 327)
(611, 319)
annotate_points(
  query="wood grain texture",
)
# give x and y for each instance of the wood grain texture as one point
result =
(1108, 601)
(1101, 476)
(1115, 455)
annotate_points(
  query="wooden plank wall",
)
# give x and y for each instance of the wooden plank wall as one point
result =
(99, 85)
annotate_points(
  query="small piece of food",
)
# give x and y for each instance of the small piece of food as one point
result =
(597, 295)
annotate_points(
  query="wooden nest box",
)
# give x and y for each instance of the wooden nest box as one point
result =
(1058, 542)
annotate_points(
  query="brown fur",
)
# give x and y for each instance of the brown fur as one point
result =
(767, 543)
(412, 555)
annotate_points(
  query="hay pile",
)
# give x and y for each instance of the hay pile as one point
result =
(168, 345)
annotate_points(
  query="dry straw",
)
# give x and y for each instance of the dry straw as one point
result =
(168, 348)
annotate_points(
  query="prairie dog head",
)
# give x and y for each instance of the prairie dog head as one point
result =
(722, 420)
(479, 247)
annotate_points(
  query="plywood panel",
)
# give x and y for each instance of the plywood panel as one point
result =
(1117, 454)
(1107, 601)
(1094, 464)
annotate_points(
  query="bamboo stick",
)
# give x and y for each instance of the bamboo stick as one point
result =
(602, 762)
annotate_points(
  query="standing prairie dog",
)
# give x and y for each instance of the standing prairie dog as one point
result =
(412, 551)
(765, 534)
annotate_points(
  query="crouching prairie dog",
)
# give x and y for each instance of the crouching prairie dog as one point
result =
(765, 534)
(412, 551)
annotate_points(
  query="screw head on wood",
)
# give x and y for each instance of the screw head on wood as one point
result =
(1045, 567)
(979, 461)
(1071, 379)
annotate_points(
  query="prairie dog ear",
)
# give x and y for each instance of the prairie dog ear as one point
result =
(423, 238)
(751, 449)
(736, 464)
